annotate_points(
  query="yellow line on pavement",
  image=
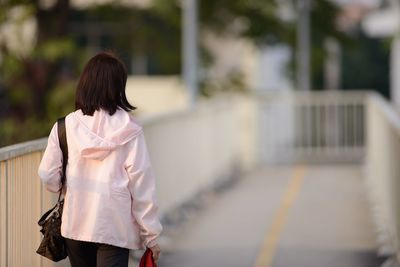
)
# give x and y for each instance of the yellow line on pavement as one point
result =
(268, 248)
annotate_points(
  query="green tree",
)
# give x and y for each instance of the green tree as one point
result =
(29, 80)
(324, 15)
(37, 87)
(260, 22)
(366, 65)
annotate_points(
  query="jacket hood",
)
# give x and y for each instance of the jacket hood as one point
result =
(98, 135)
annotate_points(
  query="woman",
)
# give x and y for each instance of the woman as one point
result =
(110, 203)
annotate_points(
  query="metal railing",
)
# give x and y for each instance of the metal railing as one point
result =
(325, 126)
(22, 201)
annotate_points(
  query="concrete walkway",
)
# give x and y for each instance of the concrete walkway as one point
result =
(296, 216)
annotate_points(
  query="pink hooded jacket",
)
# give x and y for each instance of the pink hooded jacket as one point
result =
(110, 186)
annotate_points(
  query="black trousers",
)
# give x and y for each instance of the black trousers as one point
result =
(88, 254)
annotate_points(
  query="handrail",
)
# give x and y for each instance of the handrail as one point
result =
(321, 126)
(382, 172)
(16, 150)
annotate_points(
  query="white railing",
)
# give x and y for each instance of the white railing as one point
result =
(325, 126)
(190, 151)
(382, 172)
(329, 127)
(22, 201)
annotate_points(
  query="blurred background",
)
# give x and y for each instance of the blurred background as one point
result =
(272, 125)
(242, 46)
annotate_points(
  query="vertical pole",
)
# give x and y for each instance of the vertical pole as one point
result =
(395, 60)
(303, 44)
(190, 54)
(332, 64)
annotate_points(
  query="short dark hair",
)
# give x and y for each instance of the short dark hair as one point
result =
(102, 85)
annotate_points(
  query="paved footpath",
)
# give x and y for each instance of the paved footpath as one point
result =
(296, 216)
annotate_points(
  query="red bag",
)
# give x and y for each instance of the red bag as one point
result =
(147, 259)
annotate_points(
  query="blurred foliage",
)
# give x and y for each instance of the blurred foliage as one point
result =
(254, 20)
(37, 87)
(234, 82)
(364, 60)
(366, 65)
(152, 35)
(323, 26)
(257, 20)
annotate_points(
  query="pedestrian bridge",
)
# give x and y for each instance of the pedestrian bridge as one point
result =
(259, 180)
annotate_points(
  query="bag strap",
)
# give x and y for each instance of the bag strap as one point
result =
(44, 216)
(62, 139)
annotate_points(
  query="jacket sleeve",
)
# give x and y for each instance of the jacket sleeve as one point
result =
(143, 191)
(50, 168)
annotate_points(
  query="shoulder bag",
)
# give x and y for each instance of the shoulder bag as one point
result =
(53, 243)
